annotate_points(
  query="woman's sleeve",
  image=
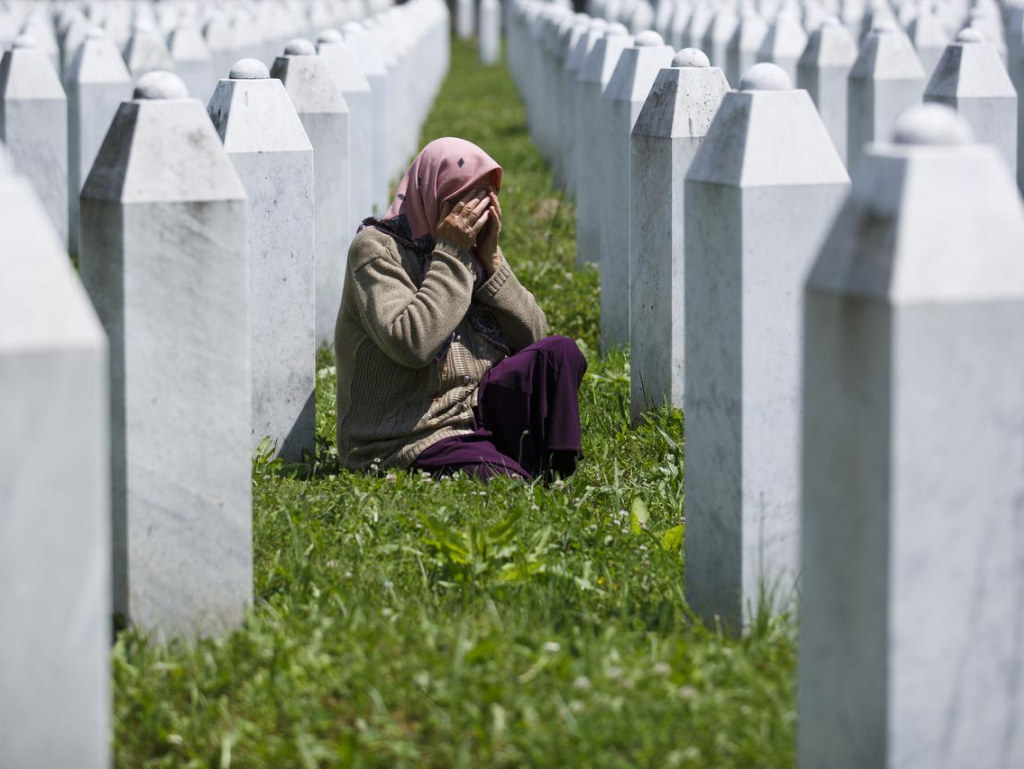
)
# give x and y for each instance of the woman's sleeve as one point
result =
(408, 324)
(520, 317)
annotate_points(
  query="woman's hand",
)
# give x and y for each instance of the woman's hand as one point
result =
(467, 218)
(487, 248)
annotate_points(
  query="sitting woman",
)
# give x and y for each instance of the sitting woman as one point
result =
(442, 364)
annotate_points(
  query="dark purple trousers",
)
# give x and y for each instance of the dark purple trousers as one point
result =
(527, 418)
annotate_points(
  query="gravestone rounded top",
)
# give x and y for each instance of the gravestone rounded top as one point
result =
(691, 57)
(616, 30)
(24, 41)
(598, 25)
(330, 36)
(931, 124)
(766, 77)
(352, 26)
(95, 33)
(142, 24)
(883, 25)
(249, 69)
(971, 35)
(830, 21)
(649, 38)
(299, 47)
(160, 85)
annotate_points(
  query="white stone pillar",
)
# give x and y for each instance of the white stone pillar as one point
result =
(912, 600)
(146, 51)
(376, 73)
(54, 500)
(823, 71)
(343, 63)
(970, 78)
(325, 117)
(745, 43)
(784, 43)
(1015, 67)
(592, 163)
(760, 196)
(267, 144)
(97, 82)
(34, 126)
(886, 79)
(622, 100)
(465, 18)
(929, 36)
(574, 90)
(718, 34)
(192, 60)
(164, 257)
(668, 132)
(490, 31)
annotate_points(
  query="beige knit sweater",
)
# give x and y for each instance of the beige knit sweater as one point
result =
(394, 398)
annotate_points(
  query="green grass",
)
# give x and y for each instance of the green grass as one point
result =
(403, 622)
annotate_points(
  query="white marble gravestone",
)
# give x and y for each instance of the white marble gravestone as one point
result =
(146, 51)
(376, 73)
(1015, 67)
(970, 78)
(929, 36)
(325, 116)
(746, 41)
(622, 100)
(192, 60)
(760, 196)
(222, 42)
(465, 18)
(34, 126)
(97, 81)
(718, 34)
(682, 103)
(592, 164)
(54, 500)
(270, 152)
(575, 94)
(164, 257)
(490, 31)
(912, 614)
(784, 43)
(823, 71)
(886, 79)
(343, 63)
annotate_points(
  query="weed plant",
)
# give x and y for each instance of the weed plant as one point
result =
(401, 621)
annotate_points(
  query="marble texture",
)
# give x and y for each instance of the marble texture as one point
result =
(325, 116)
(912, 611)
(823, 70)
(621, 102)
(668, 132)
(886, 79)
(34, 127)
(54, 513)
(268, 147)
(97, 81)
(970, 78)
(342, 62)
(164, 258)
(592, 164)
(760, 196)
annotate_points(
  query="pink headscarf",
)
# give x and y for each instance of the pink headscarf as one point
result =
(446, 169)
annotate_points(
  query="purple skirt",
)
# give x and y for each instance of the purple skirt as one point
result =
(527, 418)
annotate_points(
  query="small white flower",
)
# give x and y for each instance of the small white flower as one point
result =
(687, 692)
(662, 669)
(576, 706)
(387, 612)
(581, 683)
(552, 647)
(391, 478)
(558, 485)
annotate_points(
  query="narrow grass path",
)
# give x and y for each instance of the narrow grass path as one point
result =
(401, 622)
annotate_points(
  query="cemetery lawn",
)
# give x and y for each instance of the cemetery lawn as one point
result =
(403, 622)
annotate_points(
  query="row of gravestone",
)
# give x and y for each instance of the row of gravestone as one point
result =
(584, 96)
(212, 259)
(53, 138)
(851, 370)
